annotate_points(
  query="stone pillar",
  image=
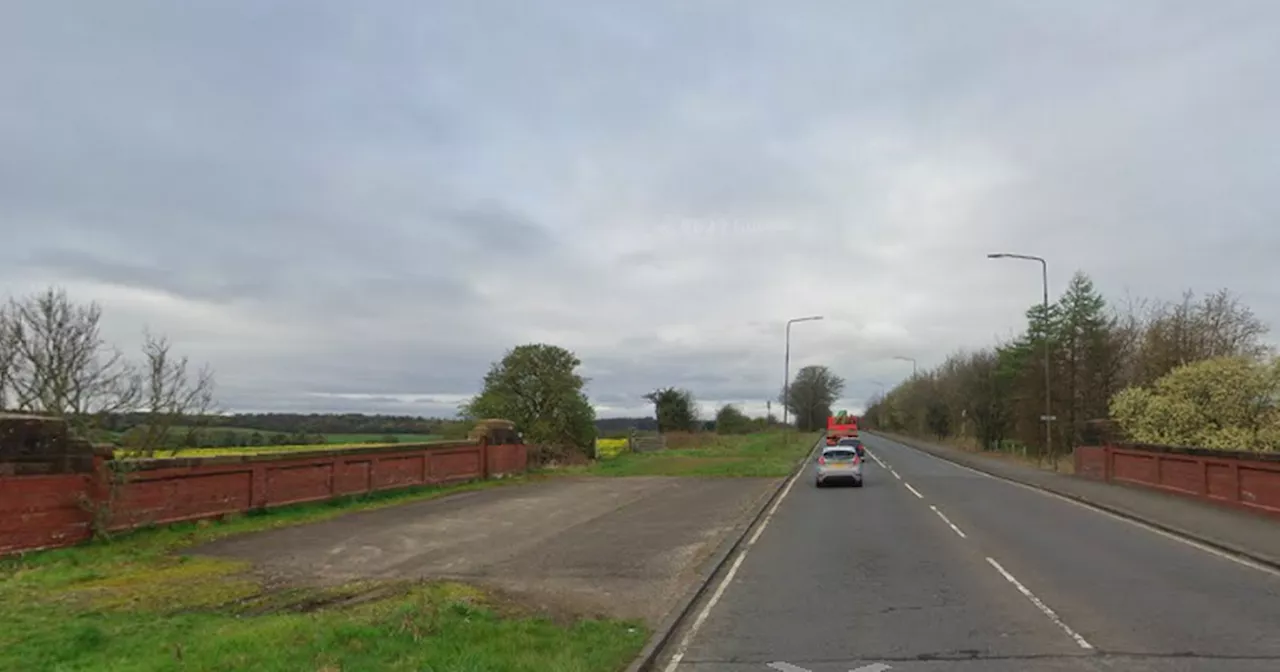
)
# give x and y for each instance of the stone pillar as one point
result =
(36, 444)
(493, 432)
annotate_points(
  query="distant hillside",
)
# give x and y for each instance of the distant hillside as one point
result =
(607, 426)
(313, 423)
(340, 424)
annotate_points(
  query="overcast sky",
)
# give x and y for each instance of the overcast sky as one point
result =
(360, 205)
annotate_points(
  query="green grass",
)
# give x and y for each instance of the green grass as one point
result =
(136, 603)
(758, 454)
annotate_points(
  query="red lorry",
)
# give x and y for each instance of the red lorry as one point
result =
(839, 426)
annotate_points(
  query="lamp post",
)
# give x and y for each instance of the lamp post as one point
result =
(786, 367)
(908, 359)
(1048, 399)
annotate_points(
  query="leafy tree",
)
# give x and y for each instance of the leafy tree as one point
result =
(995, 396)
(675, 408)
(537, 387)
(938, 420)
(813, 392)
(1231, 403)
(731, 420)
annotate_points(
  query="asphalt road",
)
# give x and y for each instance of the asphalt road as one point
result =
(972, 573)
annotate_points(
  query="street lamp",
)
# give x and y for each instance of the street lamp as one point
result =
(908, 359)
(786, 369)
(1048, 399)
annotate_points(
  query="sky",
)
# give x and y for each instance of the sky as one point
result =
(360, 206)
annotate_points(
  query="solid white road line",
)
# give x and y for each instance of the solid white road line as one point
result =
(948, 522)
(1136, 523)
(1041, 606)
(733, 570)
(788, 667)
(913, 490)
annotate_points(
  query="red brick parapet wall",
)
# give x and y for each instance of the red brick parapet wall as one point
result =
(48, 499)
(1244, 480)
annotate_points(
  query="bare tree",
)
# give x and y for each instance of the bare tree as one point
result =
(1180, 333)
(172, 396)
(59, 363)
(7, 357)
(1230, 329)
(53, 360)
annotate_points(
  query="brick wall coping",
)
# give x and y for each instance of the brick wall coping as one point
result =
(1244, 455)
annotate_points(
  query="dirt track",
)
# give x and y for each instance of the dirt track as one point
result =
(622, 547)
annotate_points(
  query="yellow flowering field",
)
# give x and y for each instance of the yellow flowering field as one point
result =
(607, 448)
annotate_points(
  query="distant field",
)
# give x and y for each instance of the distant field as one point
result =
(379, 438)
(329, 438)
(607, 448)
(330, 441)
(264, 450)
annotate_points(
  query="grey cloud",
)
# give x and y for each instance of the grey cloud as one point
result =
(178, 276)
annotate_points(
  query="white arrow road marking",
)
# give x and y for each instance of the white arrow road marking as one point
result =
(788, 667)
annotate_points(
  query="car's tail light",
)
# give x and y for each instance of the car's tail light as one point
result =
(822, 460)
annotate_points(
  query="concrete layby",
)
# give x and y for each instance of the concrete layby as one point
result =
(626, 548)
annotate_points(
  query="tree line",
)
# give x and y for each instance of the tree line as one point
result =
(54, 361)
(537, 386)
(1106, 361)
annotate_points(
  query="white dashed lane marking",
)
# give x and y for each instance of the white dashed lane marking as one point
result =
(948, 522)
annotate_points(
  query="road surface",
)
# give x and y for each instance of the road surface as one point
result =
(931, 567)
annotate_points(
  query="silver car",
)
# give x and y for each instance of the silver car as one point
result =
(839, 464)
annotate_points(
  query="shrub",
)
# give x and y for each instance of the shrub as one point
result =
(1229, 403)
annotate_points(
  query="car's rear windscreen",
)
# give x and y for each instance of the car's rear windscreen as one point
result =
(839, 455)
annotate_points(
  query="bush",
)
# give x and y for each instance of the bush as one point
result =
(730, 420)
(1227, 403)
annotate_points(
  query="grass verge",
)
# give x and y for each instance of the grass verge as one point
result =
(136, 603)
(765, 454)
(1011, 452)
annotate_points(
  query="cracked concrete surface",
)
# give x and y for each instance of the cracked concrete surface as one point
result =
(621, 547)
